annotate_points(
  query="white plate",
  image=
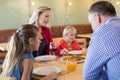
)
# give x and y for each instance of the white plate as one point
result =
(75, 52)
(45, 58)
(45, 70)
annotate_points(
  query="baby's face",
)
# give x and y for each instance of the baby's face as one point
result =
(70, 37)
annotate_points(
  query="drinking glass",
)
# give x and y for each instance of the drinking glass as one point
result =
(53, 48)
(84, 52)
(71, 65)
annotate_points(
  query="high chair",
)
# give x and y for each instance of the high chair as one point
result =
(6, 78)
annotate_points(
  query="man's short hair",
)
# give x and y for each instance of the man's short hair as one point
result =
(103, 7)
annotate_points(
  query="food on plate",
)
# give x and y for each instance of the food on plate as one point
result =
(72, 58)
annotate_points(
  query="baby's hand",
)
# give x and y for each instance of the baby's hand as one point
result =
(64, 51)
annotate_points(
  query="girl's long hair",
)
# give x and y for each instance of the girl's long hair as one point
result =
(17, 46)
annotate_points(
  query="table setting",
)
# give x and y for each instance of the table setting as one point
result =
(67, 69)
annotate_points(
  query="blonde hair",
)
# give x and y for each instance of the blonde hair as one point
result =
(18, 45)
(36, 13)
(69, 29)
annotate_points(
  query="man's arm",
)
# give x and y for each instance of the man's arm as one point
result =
(95, 60)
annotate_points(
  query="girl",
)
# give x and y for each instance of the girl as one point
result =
(19, 60)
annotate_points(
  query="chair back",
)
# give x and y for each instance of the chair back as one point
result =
(0, 68)
(82, 42)
(6, 78)
(57, 40)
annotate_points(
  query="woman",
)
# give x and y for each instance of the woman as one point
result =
(19, 59)
(41, 18)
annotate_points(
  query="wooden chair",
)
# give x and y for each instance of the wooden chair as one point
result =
(82, 42)
(6, 78)
(0, 68)
(57, 40)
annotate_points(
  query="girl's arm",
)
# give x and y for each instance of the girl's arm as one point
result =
(26, 68)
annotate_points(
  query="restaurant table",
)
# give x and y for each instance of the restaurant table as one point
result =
(64, 74)
(3, 51)
(84, 35)
(3, 46)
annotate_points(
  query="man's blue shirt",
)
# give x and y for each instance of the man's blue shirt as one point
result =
(103, 56)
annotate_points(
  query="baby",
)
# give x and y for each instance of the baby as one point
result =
(68, 42)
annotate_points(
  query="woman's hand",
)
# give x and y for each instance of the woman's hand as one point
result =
(64, 51)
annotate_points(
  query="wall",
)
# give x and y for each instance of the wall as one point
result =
(14, 13)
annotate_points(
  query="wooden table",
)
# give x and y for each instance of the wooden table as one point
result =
(84, 35)
(3, 46)
(74, 75)
(3, 50)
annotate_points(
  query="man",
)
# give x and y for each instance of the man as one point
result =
(103, 56)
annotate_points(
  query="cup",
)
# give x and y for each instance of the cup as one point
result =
(53, 47)
(84, 52)
(71, 65)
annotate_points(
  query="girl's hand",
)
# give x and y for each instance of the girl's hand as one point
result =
(64, 51)
(53, 76)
